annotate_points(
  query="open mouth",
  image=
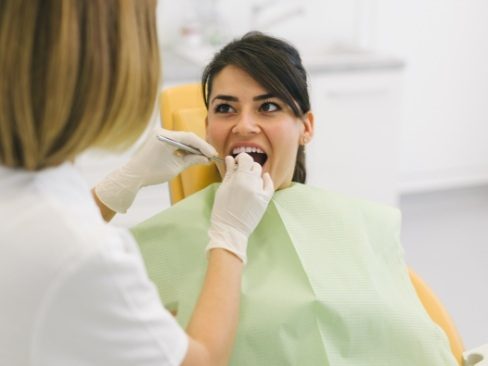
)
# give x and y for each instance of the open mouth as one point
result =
(258, 155)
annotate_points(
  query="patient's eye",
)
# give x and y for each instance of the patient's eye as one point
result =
(224, 108)
(269, 107)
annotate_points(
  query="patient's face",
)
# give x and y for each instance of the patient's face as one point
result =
(243, 116)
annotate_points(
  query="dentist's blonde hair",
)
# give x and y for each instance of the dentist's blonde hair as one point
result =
(74, 74)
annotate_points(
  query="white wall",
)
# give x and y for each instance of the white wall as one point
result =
(445, 128)
(330, 22)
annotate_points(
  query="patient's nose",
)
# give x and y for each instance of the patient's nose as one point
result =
(246, 125)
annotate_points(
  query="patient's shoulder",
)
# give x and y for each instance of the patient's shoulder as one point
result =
(379, 222)
(340, 202)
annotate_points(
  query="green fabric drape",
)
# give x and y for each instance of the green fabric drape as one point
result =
(325, 283)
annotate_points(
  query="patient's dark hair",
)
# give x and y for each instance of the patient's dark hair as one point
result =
(274, 64)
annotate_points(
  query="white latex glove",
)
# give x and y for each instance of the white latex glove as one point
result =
(155, 162)
(240, 203)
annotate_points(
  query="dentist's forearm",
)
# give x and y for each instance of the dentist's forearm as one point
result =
(214, 322)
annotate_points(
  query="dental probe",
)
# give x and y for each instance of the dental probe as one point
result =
(186, 148)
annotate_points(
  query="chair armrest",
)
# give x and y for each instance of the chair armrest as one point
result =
(476, 357)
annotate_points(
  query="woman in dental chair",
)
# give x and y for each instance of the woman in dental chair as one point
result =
(327, 283)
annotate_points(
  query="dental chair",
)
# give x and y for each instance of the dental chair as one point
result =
(183, 109)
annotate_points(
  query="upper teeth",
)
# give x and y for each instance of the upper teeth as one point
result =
(247, 149)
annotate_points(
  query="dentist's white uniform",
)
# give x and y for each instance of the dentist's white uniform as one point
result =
(61, 264)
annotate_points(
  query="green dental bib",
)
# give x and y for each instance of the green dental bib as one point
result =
(325, 282)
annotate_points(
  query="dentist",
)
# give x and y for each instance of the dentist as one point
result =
(77, 74)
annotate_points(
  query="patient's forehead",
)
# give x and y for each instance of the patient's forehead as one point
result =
(232, 80)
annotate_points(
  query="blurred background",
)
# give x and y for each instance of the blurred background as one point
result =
(400, 92)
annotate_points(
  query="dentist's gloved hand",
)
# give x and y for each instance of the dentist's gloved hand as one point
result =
(239, 205)
(155, 162)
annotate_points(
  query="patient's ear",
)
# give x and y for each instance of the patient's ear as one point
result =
(308, 128)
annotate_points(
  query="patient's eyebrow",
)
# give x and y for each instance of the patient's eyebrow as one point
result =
(228, 98)
(263, 97)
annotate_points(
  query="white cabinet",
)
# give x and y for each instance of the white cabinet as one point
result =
(357, 120)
